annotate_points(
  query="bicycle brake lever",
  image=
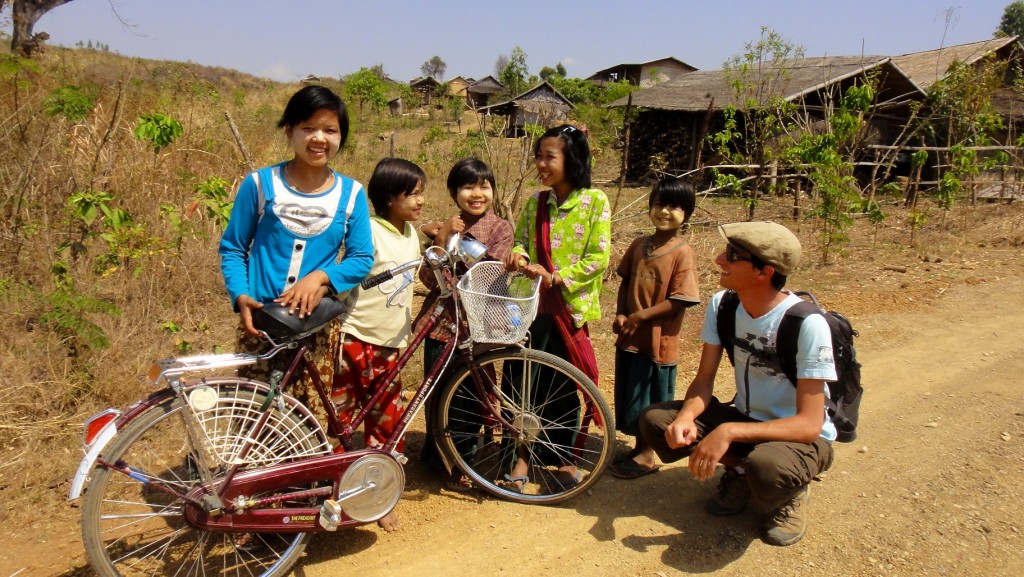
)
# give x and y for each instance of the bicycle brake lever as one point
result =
(406, 281)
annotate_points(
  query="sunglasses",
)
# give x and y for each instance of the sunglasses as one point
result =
(734, 255)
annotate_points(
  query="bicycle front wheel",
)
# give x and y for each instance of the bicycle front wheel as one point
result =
(525, 426)
(132, 528)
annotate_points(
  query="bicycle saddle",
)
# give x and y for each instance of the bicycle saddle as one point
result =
(274, 319)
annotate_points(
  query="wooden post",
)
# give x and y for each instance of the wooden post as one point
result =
(625, 155)
(241, 145)
(699, 153)
(796, 200)
(874, 177)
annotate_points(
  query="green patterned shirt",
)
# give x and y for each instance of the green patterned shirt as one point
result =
(580, 246)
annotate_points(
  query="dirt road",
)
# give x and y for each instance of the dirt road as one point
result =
(931, 487)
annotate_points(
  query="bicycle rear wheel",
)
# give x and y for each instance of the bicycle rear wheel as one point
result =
(131, 528)
(554, 424)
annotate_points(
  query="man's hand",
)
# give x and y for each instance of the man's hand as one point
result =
(682, 432)
(706, 455)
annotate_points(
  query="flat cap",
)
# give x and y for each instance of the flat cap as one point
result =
(770, 242)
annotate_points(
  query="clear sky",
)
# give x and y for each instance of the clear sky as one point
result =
(288, 39)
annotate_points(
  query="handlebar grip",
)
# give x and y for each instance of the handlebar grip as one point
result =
(372, 281)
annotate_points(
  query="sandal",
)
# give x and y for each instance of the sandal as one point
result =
(627, 455)
(516, 484)
(559, 484)
(458, 482)
(630, 469)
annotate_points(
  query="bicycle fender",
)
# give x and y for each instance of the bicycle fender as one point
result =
(108, 432)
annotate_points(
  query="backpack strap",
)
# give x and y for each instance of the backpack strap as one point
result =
(726, 322)
(264, 178)
(789, 334)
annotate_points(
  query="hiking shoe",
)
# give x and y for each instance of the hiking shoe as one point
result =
(787, 524)
(733, 495)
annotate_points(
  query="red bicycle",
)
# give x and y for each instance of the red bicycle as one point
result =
(225, 475)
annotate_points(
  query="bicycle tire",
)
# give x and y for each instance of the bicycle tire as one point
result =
(131, 530)
(485, 449)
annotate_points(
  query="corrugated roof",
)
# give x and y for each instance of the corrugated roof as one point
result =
(927, 68)
(695, 91)
(618, 67)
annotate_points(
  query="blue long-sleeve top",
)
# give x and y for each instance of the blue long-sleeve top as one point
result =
(276, 236)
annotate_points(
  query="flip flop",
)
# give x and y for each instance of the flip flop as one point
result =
(510, 483)
(627, 455)
(458, 482)
(630, 469)
(559, 484)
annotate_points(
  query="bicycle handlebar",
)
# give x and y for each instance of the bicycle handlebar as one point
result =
(465, 249)
(372, 281)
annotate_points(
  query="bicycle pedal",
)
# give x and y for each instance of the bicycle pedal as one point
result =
(330, 515)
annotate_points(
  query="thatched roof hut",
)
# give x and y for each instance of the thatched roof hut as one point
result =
(541, 105)
(479, 93)
(928, 67)
(426, 86)
(676, 116)
(643, 74)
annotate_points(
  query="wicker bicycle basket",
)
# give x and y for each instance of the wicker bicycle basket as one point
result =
(499, 305)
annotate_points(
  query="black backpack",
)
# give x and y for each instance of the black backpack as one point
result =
(845, 394)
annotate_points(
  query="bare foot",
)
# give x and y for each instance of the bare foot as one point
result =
(390, 522)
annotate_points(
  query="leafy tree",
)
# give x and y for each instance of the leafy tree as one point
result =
(964, 116)
(577, 90)
(24, 15)
(758, 116)
(515, 73)
(1012, 22)
(613, 91)
(827, 160)
(434, 68)
(547, 72)
(366, 86)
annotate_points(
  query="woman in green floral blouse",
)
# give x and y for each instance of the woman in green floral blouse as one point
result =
(563, 236)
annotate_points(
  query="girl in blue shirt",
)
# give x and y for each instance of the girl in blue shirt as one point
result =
(289, 224)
